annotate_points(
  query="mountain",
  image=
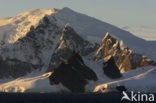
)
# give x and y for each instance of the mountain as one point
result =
(44, 52)
(37, 46)
(41, 45)
(93, 28)
(88, 27)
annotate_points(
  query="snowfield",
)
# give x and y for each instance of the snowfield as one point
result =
(141, 79)
(11, 29)
(135, 80)
(31, 83)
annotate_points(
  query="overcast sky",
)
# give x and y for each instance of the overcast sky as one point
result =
(117, 12)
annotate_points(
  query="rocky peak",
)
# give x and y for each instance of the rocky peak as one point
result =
(124, 57)
(71, 41)
(73, 74)
(75, 42)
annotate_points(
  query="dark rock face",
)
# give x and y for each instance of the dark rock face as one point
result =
(73, 74)
(14, 68)
(111, 70)
(125, 58)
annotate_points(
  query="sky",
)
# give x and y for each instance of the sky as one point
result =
(117, 12)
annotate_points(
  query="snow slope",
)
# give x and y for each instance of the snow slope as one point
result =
(33, 82)
(141, 79)
(135, 80)
(11, 29)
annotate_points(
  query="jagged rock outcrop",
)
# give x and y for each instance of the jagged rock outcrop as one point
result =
(73, 74)
(110, 69)
(124, 57)
(71, 41)
(74, 41)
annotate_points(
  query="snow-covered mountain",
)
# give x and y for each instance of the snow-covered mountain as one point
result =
(93, 28)
(13, 28)
(38, 40)
(42, 45)
(88, 27)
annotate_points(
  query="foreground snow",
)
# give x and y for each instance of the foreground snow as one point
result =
(136, 80)
(30, 83)
(141, 79)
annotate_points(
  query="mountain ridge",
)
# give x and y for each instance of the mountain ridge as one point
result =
(54, 38)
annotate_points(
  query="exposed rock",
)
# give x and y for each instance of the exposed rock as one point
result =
(111, 70)
(75, 42)
(74, 74)
(125, 58)
(14, 68)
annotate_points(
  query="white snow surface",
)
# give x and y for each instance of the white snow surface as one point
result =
(134, 81)
(34, 82)
(141, 79)
(11, 29)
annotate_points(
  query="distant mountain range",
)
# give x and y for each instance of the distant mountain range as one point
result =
(64, 49)
(147, 33)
